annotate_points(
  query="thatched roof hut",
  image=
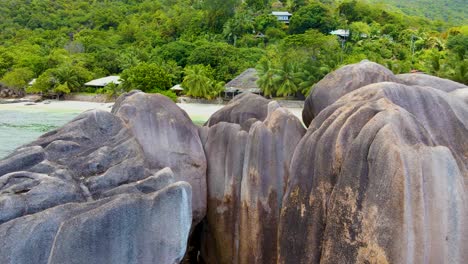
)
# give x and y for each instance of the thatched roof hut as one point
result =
(245, 82)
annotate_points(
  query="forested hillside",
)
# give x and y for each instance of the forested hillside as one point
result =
(154, 44)
(452, 11)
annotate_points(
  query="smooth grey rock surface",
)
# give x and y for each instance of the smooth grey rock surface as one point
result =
(93, 190)
(128, 228)
(340, 82)
(461, 94)
(420, 79)
(245, 109)
(169, 139)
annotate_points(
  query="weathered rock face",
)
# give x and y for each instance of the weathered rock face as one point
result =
(430, 81)
(92, 191)
(247, 175)
(461, 94)
(127, 228)
(88, 156)
(6, 92)
(245, 109)
(355, 76)
(380, 177)
(341, 82)
(168, 139)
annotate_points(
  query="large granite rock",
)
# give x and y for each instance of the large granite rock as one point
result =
(168, 139)
(93, 153)
(101, 189)
(340, 82)
(380, 177)
(245, 109)
(354, 76)
(247, 175)
(430, 81)
(127, 228)
(461, 94)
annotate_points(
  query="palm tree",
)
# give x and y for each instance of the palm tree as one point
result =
(67, 75)
(266, 77)
(286, 79)
(436, 43)
(196, 81)
(237, 26)
(312, 72)
(217, 88)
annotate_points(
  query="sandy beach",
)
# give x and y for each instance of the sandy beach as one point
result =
(198, 112)
(57, 106)
(23, 122)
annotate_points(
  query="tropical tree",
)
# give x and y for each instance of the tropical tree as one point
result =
(459, 45)
(199, 83)
(218, 12)
(310, 73)
(264, 21)
(312, 16)
(240, 24)
(286, 79)
(6, 61)
(112, 90)
(18, 78)
(147, 77)
(359, 30)
(72, 76)
(266, 77)
(61, 80)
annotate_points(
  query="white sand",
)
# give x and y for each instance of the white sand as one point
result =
(198, 112)
(57, 106)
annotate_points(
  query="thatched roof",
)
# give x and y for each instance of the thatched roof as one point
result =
(245, 82)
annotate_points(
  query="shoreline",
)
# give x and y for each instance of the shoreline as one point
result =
(198, 112)
(55, 106)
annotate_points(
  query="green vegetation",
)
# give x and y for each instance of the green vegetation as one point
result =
(199, 82)
(452, 11)
(155, 44)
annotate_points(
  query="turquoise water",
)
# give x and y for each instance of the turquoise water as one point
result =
(21, 127)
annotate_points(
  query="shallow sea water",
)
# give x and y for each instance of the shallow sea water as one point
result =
(20, 124)
(21, 127)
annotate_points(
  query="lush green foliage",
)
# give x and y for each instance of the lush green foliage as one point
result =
(18, 78)
(147, 77)
(199, 82)
(312, 16)
(453, 11)
(60, 80)
(154, 44)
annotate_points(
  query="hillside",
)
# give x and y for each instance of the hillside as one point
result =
(155, 44)
(451, 11)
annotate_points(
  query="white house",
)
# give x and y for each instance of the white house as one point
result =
(344, 33)
(102, 82)
(282, 16)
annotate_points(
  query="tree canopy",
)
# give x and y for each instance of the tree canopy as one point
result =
(154, 44)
